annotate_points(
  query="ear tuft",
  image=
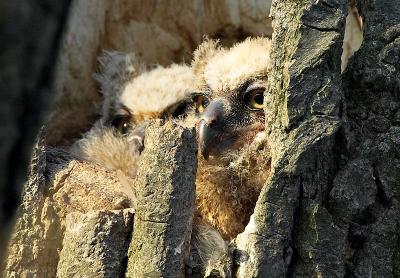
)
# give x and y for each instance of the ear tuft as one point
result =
(115, 71)
(207, 49)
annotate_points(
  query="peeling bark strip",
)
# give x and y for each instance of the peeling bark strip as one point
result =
(166, 192)
(303, 116)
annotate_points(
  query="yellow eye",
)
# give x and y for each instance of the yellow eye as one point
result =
(255, 99)
(200, 102)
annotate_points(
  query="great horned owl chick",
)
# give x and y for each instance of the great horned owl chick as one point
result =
(234, 162)
(132, 94)
(228, 109)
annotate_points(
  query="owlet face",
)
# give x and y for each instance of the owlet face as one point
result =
(230, 100)
(132, 95)
(157, 94)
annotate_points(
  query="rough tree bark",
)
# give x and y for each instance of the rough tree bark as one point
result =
(95, 244)
(58, 186)
(76, 218)
(30, 33)
(166, 193)
(330, 208)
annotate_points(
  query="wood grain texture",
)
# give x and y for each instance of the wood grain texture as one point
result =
(166, 195)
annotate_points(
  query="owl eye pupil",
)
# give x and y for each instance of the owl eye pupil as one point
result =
(124, 128)
(255, 99)
(259, 99)
(121, 123)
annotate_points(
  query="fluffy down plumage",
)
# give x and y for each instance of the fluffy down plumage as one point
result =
(157, 93)
(228, 184)
(229, 181)
(142, 94)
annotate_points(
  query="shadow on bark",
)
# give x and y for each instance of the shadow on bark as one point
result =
(30, 32)
(330, 208)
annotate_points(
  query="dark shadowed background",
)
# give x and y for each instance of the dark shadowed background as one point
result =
(30, 33)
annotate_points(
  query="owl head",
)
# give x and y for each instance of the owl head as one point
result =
(132, 94)
(230, 86)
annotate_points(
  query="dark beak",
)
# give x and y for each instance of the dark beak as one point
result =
(209, 126)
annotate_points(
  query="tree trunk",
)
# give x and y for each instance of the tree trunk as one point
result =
(60, 189)
(330, 208)
(166, 191)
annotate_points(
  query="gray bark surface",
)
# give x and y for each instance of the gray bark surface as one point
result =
(30, 32)
(34, 243)
(166, 194)
(96, 244)
(330, 208)
(59, 185)
(371, 139)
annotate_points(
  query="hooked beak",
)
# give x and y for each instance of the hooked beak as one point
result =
(209, 126)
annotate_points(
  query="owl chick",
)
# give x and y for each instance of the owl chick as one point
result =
(227, 108)
(132, 94)
(234, 162)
